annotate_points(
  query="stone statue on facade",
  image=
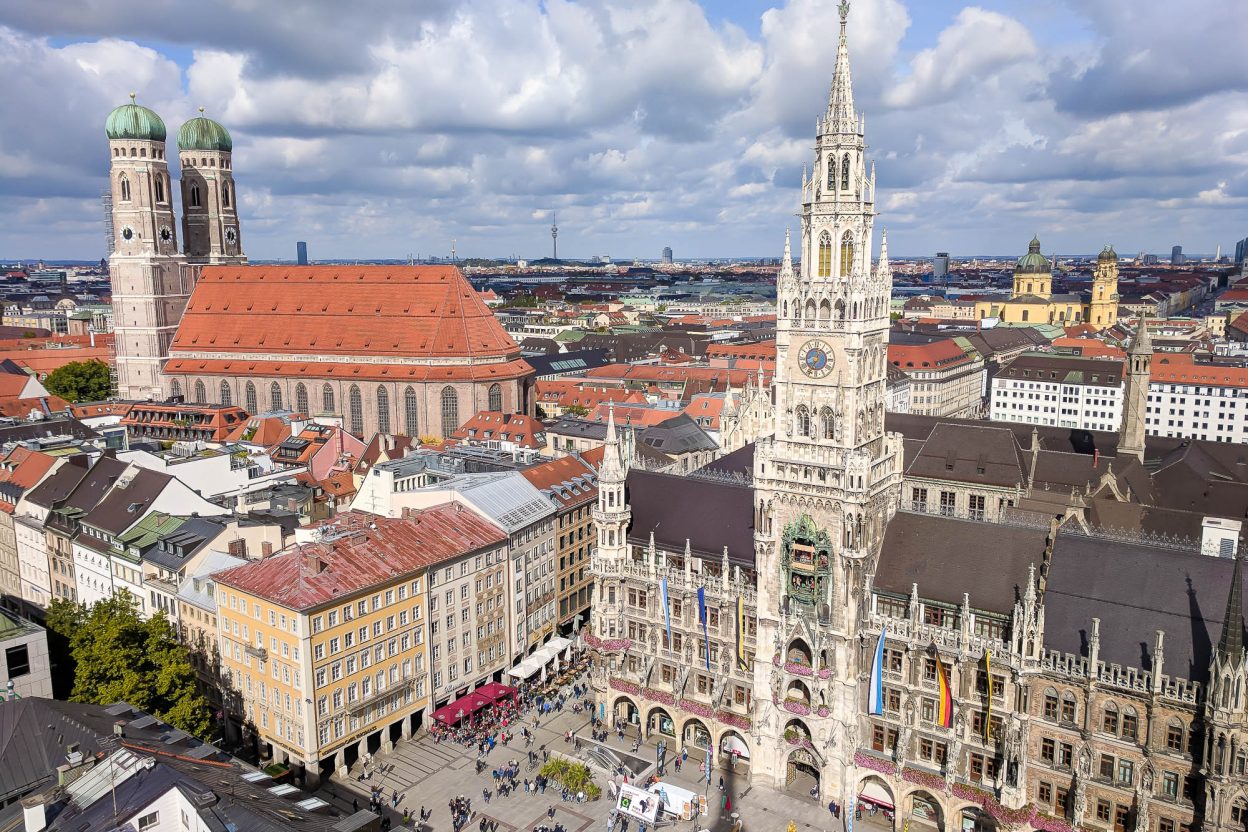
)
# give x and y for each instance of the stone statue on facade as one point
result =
(776, 681)
(1081, 799)
(1085, 761)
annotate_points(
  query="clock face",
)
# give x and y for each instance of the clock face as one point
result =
(127, 233)
(816, 359)
(231, 236)
(166, 233)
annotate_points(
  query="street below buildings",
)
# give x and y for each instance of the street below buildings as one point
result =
(428, 774)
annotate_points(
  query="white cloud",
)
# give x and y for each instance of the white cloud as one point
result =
(643, 122)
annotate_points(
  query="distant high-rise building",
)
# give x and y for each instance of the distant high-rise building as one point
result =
(1241, 251)
(301, 253)
(940, 266)
(667, 254)
(1150, 260)
(1176, 256)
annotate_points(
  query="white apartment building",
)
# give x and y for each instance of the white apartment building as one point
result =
(1059, 390)
(1196, 400)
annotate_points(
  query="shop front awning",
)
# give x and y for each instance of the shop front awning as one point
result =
(873, 792)
(462, 707)
(495, 692)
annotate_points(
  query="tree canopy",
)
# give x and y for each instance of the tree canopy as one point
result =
(120, 657)
(80, 381)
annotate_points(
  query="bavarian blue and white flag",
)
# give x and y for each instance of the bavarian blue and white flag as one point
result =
(875, 696)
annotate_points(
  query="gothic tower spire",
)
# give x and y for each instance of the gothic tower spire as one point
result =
(1231, 644)
(841, 117)
(1135, 399)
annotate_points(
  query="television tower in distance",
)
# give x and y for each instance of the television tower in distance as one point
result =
(554, 237)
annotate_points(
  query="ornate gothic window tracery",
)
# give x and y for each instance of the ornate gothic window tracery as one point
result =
(327, 399)
(847, 254)
(383, 410)
(825, 255)
(227, 397)
(845, 173)
(411, 412)
(450, 411)
(301, 398)
(356, 405)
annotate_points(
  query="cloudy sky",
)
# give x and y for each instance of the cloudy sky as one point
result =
(383, 128)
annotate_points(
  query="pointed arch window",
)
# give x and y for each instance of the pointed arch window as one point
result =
(327, 399)
(847, 254)
(160, 188)
(831, 173)
(275, 396)
(411, 412)
(801, 421)
(201, 393)
(383, 410)
(450, 411)
(825, 255)
(301, 398)
(124, 183)
(845, 172)
(227, 397)
(194, 195)
(355, 404)
(249, 395)
(827, 423)
(496, 398)
(225, 194)
(175, 388)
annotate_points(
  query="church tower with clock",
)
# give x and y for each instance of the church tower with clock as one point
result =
(150, 278)
(827, 481)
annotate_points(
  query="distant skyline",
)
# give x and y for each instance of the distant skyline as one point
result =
(643, 124)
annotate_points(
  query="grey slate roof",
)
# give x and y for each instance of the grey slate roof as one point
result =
(1134, 590)
(947, 557)
(35, 734)
(128, 501)
(678, 435)
(174, 549)
(985, 454)
(708, 513)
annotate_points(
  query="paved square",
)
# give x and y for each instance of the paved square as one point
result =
(429, 774)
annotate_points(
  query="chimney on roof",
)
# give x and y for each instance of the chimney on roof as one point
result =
(266, 548)
(312, 561)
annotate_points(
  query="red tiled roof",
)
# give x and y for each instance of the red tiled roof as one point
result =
(262, 430)
(594, 456)
(761, 350)
(548, 475)
(937, 355)
(93, 409)
(363, 551)
(1090, 347)
(523, 430)
(359, 372)
(22, 468)
(45, 361)
(407, 311)
(21, 408)
(635, 416)
(1182, 368)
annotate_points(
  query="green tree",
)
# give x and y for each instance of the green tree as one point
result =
(120, 657)
(576, 410)
(80, 381)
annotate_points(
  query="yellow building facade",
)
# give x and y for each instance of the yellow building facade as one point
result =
(1033, 301)
(324, 645)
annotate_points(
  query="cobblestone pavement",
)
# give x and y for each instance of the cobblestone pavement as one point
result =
(430, 774)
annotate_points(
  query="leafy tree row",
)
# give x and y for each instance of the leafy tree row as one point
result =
(118, 656)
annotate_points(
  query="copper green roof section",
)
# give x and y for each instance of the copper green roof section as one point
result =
(1033, 262)
(150, 529)
(134, 121)
(202, 133)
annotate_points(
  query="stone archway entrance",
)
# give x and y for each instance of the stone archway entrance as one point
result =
(626, 711)
(660, 722)
(924, 813)
(975, 819)
(801, 772)
(695, 734)
(734, 752)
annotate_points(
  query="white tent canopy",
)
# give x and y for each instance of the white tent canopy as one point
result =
(540, 658)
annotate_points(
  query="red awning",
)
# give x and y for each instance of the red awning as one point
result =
(460, 708)
(495, 691)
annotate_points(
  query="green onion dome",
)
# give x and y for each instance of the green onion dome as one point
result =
(202, 133)
(134, 121)
(1033, 262)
